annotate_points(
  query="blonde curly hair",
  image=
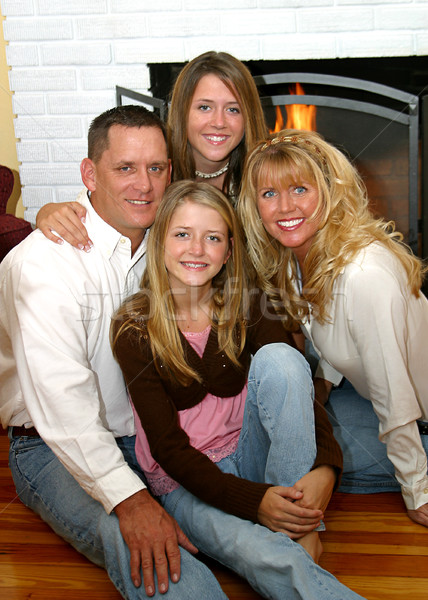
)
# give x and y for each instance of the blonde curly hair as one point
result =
(346, 224)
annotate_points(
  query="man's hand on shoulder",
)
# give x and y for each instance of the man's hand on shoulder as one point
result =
(152, 537)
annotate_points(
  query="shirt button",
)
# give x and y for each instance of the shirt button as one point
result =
(426, 490)
(122, 241)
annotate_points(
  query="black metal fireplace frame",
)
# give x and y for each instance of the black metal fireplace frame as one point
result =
(160, 106)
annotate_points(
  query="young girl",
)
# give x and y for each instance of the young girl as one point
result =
(231, 463)
(214, 118)
(325, 261)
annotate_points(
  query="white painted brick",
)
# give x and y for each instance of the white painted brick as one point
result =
(137, 78)
(183, 24)
(415, 17)
(47, 127)
(112, 27)
(30, 216)
(244, 48)
(69, 152)
(297, 3)
(421, 44)
(76, 54)
(32, 151)
(381, 44)
(36, 197)
(28, 104)
(22, 55)
(30, 30)
(50, 175)
(258, 22)
(136, 6)
(374, 2)
(33, 80)
(68, 194)
(75, 7)
(300, 46)
(17, 8)
(73, 104)
(150, 50)
(330, 20)
(221, 4)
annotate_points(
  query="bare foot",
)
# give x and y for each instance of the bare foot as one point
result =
(312, 544)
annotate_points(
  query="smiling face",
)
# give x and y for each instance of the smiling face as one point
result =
(215, 124)
(128, 181)
(286, 213)
(196, 246)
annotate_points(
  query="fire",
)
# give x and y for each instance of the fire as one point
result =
(299, 116)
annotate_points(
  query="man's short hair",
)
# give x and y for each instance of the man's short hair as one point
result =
(126, 116)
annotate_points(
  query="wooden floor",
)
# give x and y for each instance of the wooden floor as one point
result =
(370, 545)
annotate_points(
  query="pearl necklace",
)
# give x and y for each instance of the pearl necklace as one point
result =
(212, 175)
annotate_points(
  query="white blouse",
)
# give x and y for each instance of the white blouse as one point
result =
(377, 338)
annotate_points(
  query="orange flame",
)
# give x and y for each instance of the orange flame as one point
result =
(299, 116)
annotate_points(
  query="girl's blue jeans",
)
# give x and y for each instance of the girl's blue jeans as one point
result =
(276, 445)
(45, 486)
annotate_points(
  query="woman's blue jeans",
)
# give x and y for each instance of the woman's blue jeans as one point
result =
(366, 466)
(46, 487)
(276, 445)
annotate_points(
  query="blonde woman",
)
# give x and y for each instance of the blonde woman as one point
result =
(237, 463)
(215, 116)
(355, 288)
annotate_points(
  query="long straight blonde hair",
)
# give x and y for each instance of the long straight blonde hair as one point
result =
(346, 223)
(151, 312)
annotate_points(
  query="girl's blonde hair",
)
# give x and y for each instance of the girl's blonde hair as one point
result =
(151, 312)
(237, 78)
(346, 223)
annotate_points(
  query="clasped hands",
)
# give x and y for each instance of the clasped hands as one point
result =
(298, 510)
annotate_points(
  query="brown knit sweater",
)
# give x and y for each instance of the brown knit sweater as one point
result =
(157, 401)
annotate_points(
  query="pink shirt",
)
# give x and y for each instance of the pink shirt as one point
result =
(213, 427)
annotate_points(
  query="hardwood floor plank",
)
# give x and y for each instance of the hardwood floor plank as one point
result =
(388, 588)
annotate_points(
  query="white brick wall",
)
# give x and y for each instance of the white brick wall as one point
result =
(68, 56)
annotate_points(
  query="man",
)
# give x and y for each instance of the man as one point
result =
(62, 394)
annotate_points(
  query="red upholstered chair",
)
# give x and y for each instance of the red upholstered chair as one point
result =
(12, 229)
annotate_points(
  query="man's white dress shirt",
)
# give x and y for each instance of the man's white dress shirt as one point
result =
(57, 370)
(377, 338)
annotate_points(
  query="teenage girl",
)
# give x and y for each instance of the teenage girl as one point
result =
(232, 451)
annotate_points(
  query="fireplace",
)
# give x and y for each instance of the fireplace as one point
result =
(381, 127)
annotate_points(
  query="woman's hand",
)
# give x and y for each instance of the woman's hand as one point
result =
(65, 219)
(279, 510)
(420, 515)
(317, 487)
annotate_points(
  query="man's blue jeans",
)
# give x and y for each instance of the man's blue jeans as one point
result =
(276, 445)
(46, 487)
